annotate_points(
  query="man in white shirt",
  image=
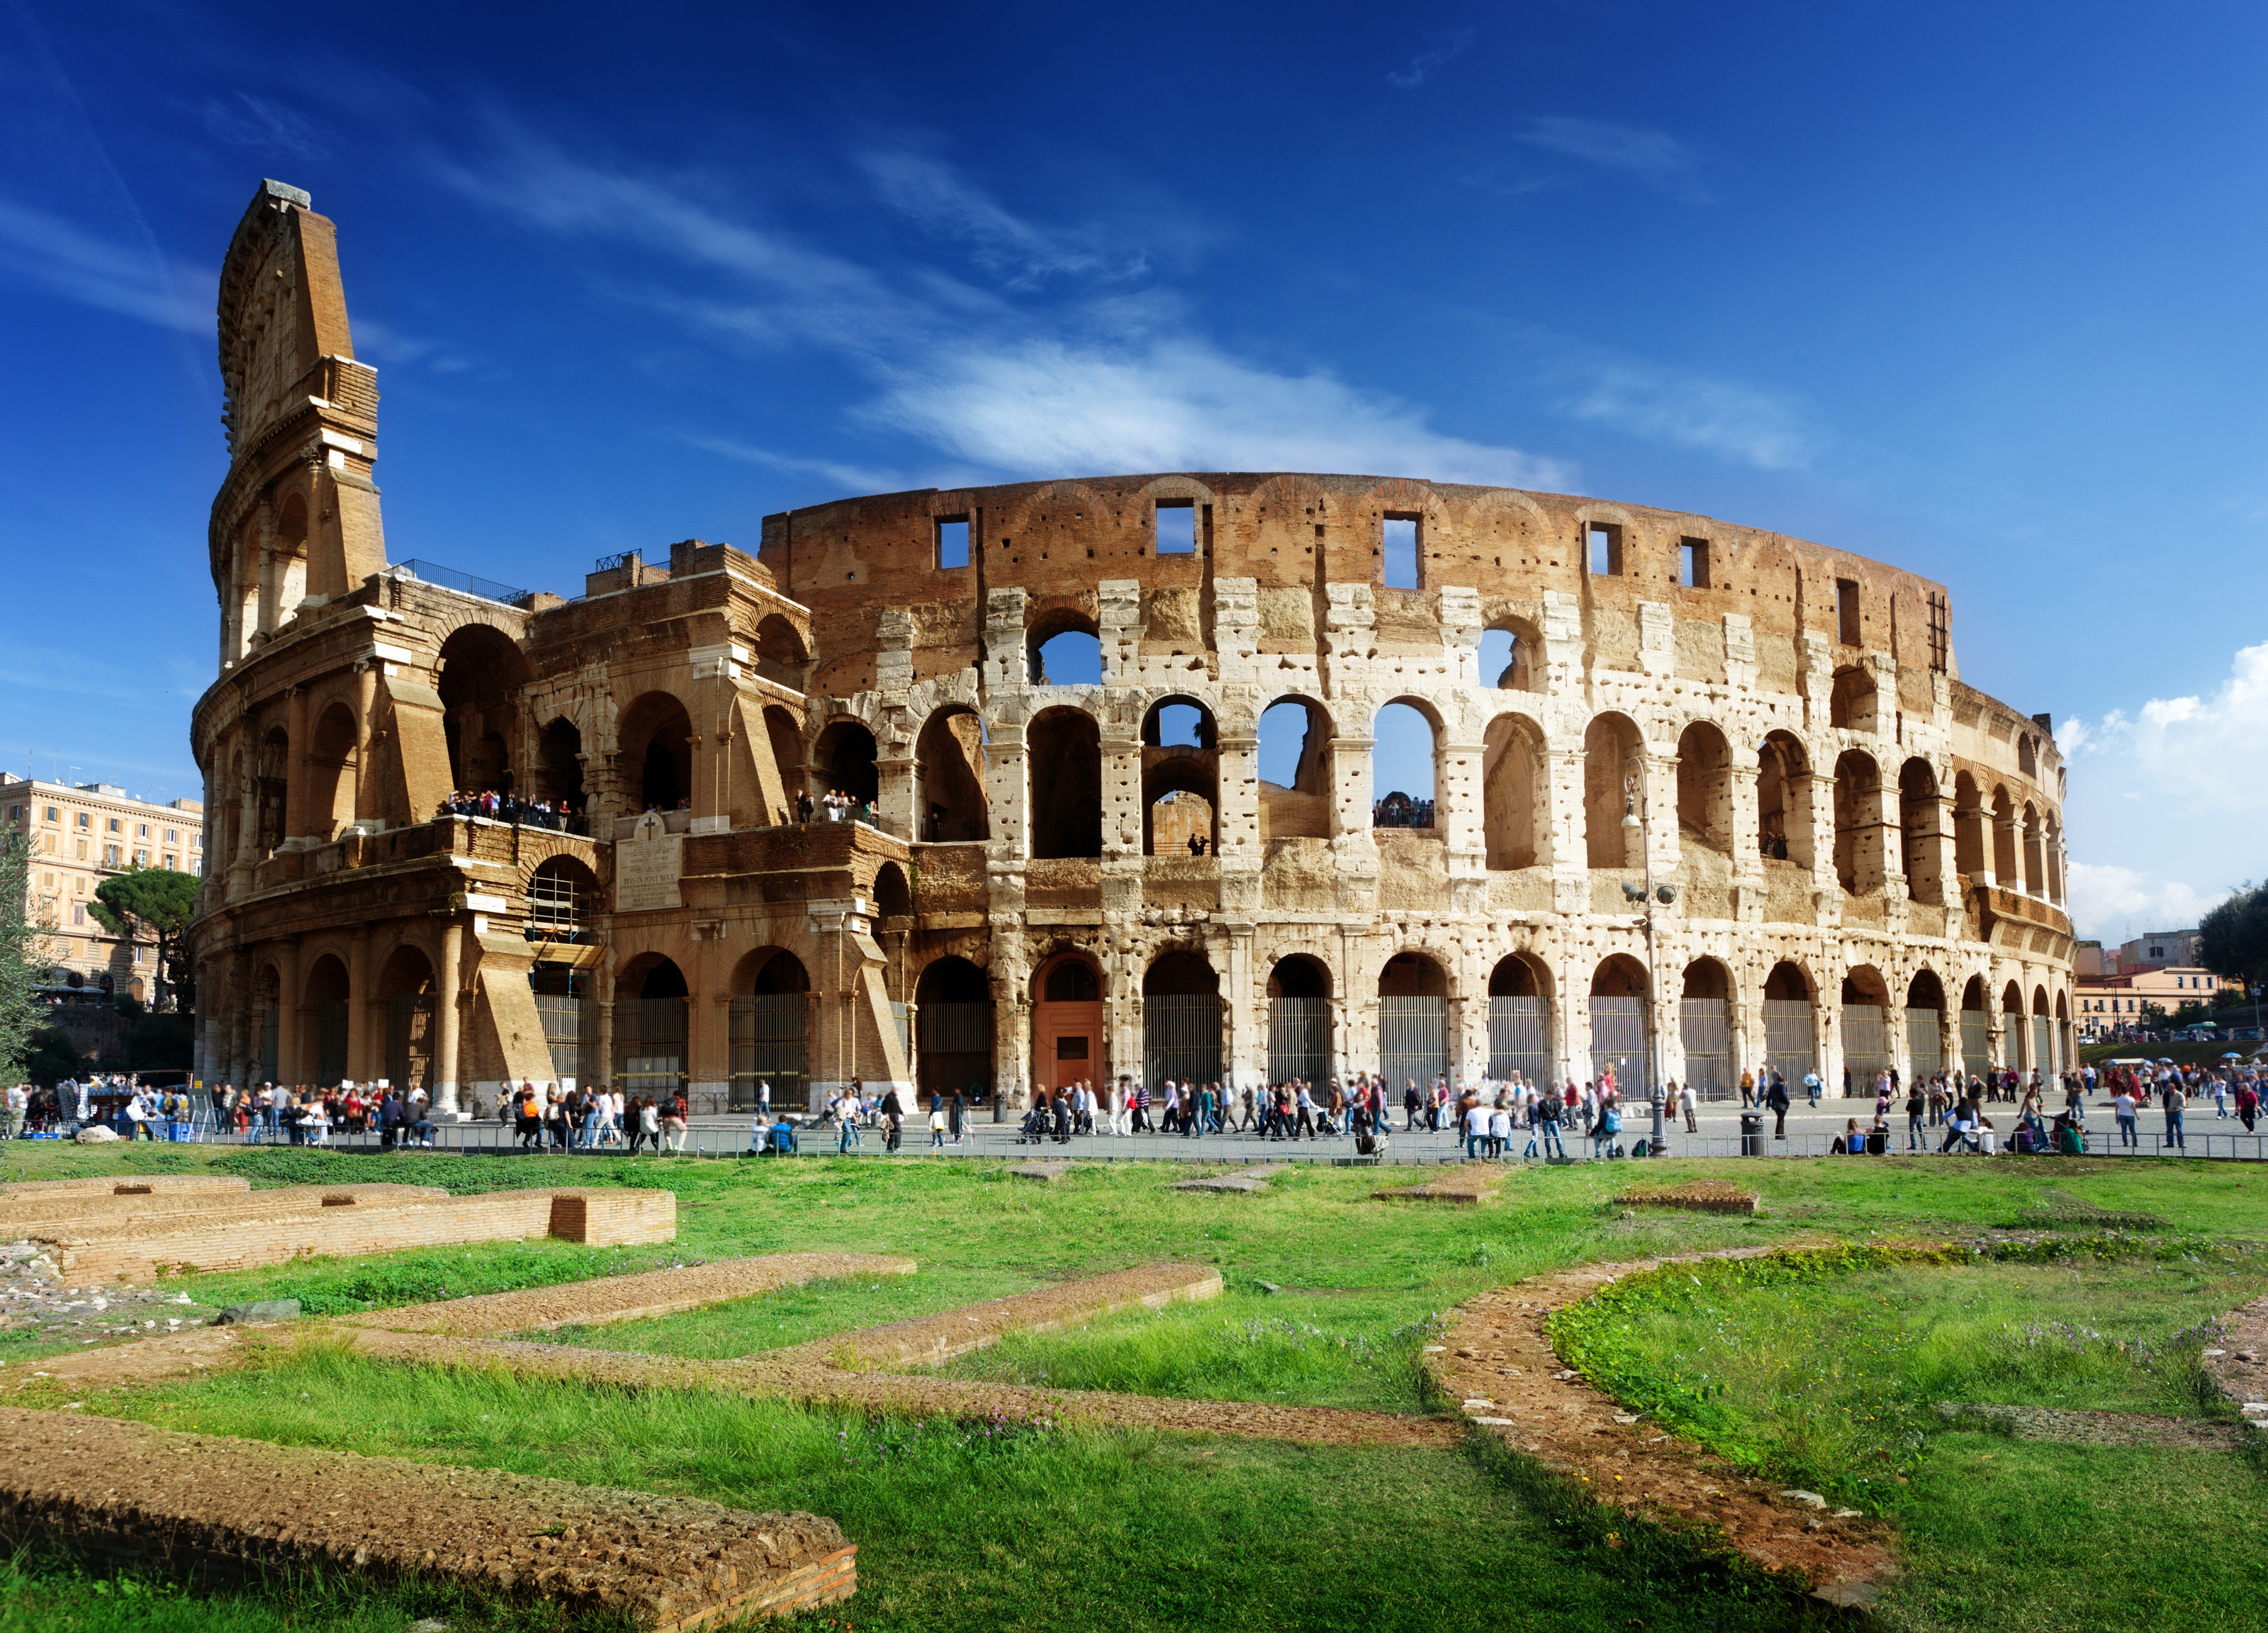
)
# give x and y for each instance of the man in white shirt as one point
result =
(1476, 1125)
(1688, 1103)
(1813, 1087)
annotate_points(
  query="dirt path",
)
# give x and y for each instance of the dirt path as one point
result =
(1497, 1363)
(215, 1509)
(611, 1299)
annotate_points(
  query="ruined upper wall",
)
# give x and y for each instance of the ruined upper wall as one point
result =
(1293, 534)
(282, 308)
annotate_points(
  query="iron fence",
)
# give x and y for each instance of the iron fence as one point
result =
(1413, 1040)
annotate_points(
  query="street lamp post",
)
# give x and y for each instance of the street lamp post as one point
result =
(1633, 822)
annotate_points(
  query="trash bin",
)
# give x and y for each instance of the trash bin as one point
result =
(1752, 1134)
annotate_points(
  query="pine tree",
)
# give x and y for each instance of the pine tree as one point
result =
(22, 966)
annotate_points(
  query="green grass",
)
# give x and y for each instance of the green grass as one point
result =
(1090, 1529)
(1826, 1377)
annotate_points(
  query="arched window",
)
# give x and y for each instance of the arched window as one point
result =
(1705, 1023)
(1295, 770)
(2008, 873)
(1613, 759)
(405, 981)
(333, 772)
(481, 674)
(1507, 657)
(1704, 788)
(2036, 862)
(1063, 753)
(272, 787)
(1920, 817)
(1515, 803)
(1181, 779)
(781, 654)
(1970, 849)
(1065, 648)
(1784, 815)
(1851, 703)
(892, 899)
(1405, 752)
(561, 747)
(1859, 848)
(949, 762)
(844, 756)
(656, 735)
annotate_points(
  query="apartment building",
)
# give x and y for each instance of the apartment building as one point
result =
(80, 835)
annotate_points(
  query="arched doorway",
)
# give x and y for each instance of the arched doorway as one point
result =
(955, 1030)
(1517, 821)
(1784, 801)
(1520, 1021)
(1976, 1026)
(1295, 770)
(326, 993)
(2014, 1036)
(334, 769)
(649, 1004)
(1180, 1020)
(656, 735)
(1705, 1027)
(1067, 1023)
(482, 673)
(844, 757)
(1865, 1030)
(1619, 1022)
(1612, 754)
(1924, 1028)
(267, 995)
(561, 747)
(405, 981)
(1858, 850)
(2044, 1051)
(772, 1029)
(1413, 1022)
(1063, 749)
(1705, 787)
(562, 893)
(1299, 1020)
(1790, 1031)
(949, 766)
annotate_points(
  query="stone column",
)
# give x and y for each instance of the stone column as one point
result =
(295, 786)
(1239, 810)
(1244, 1049)
(448, 1019)
(899, 803)
(1568, 851)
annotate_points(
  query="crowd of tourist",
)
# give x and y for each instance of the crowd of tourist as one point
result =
(501, 807)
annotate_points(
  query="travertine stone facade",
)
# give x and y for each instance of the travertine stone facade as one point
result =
(1851, 850)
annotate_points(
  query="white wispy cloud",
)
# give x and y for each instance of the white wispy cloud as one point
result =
(941, 199)
(66, 260)
(852, 478)
(1095, 381)
(1431, 61)
(1719, 416)
(242, 120)
(2166, 800)
(1654, 157)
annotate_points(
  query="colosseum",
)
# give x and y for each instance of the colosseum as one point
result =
(1702, 795)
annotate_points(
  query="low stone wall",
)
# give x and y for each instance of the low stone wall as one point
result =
(308, 1229)
(126, 1185)
(217, 1510)
(87, 1215)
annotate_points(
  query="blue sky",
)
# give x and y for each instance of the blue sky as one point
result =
(1974, 290)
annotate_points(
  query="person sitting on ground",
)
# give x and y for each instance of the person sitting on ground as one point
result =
(1850, 1143)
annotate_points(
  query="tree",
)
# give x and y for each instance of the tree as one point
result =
(22, 966)
(2233, 938)
(153, 903)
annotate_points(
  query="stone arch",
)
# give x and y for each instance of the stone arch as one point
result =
(953, 1051)
(334, 771)
(480, 672)
(1969, 846)
(949, 767)
(655, 734)
(1181, 781)
(2028, 756)
(770, 972)
(1865, 1022)
(560, 747)
(1784, 799)
(1705, 787)
(1704, 1027)
(1852, 701)
(1406, 807)
(843, 760)
(2007, 871)
(1298, 976)
(1062, 747)
(1920, 817)
(271, 789)
(325, 992)
(1520, 975)
(1413, 1018)
(651, 976)
(1859, 848)
(562, 893)
(781, 652)
(1515, 797)
(1613, 752)
(1925, 1025)
(1047, 626)
(1300, 808)
(1181, 1018)
(1511, 655)
(1618, 976)
(2053, 847)
(407, 991)
(893, 897)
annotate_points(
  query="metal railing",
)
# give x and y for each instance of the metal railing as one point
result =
(451, 579)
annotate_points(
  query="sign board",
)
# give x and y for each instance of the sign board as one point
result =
(646, 867)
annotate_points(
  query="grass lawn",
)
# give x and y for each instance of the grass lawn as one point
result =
(1091, 1529)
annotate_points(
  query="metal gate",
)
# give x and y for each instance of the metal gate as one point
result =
(1413, 1042)
(1618, 1038)
(650, 1045)
(770, 1042)
(270, 1019)
(330, 1043)
(1299, 1040)
(1791, 1043)
(2043, 1061)
(1520, 1040)
(1925, 1044)
(1866, 1049)
(1706, 1027)
(1976, 1042)
(570, 1031)
(1181, 1038)
(956, 1049)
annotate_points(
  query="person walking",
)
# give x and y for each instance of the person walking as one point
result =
(1748, 1089)
(1814, 1087)
(2173, 1100)
(1917, 1113)
(2122, 1108)
(1776, 1098)
(937, 1124)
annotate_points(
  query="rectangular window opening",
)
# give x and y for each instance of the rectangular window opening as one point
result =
(1604, 543)
(1693, 564)
(1403, 572)
(1846, 611)
(951, 541)
(1177, 527)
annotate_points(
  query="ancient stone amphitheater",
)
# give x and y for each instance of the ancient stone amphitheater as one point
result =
(1854, 860)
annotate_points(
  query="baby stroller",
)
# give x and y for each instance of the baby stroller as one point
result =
(1034, 1128)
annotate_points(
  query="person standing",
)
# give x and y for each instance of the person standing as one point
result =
(937, 1123)
(1916, 1111)
(2173, 1100)
(1814, 1087)
(1777, 1099)
(1690, 1103)
(2122, 1108)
